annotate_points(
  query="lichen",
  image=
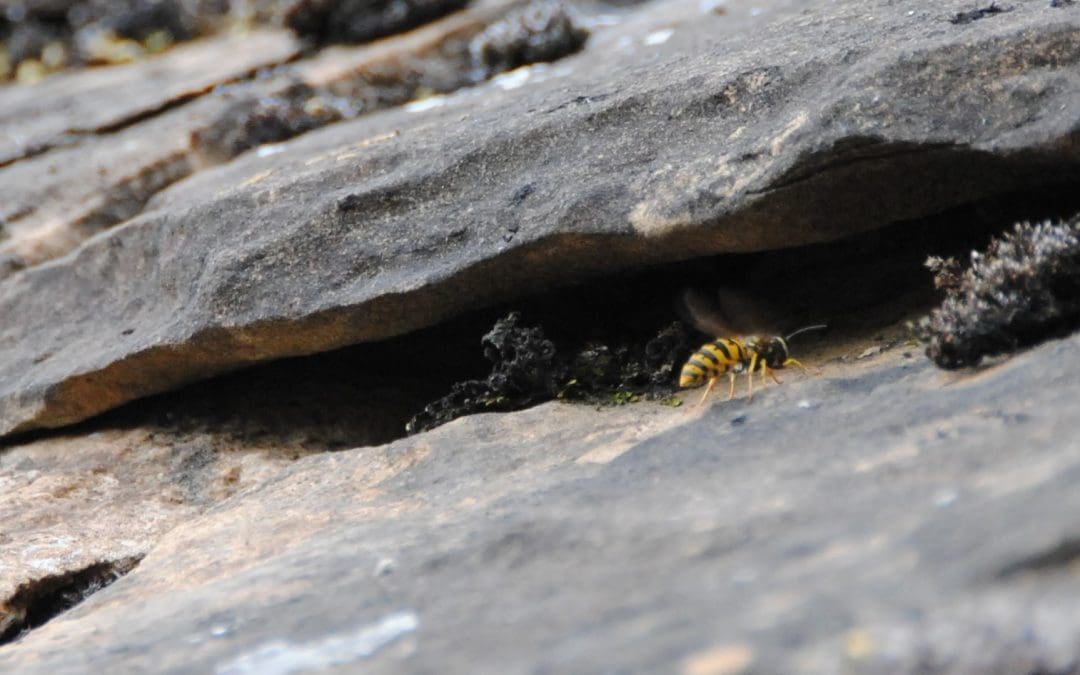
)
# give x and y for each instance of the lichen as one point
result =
(1023, 289)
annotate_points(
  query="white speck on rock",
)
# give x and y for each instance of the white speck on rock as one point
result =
(945, 498)
(267, 150)
(513, 79)
(429, 103)
(658, 37)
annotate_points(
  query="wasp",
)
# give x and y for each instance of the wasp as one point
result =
(733, 355)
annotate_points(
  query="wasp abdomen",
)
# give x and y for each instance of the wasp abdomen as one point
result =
(712, 360)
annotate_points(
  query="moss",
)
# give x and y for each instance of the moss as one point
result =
(528, 368)
(1023, 289)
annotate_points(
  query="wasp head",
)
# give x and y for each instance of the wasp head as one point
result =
(773, 351)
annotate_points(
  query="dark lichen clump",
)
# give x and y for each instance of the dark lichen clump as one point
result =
(1025, 288)
(543, 30)
(528, 368)
(253, 121)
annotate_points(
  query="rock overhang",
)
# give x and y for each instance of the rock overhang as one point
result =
(379, 226)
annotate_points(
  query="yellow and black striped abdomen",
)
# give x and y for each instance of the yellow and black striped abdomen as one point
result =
(712, 360)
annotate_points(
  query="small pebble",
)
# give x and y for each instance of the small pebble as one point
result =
(737, 420)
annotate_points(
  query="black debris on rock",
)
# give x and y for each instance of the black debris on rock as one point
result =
(961, 18)
(528, 368)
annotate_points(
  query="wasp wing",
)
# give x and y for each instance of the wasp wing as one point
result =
(702, 311)
(748, 313)
(728, 313)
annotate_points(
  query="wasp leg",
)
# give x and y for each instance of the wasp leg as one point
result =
(794, 362)
(750, 376)
(731, 392)
(712, 383)
(771, 373)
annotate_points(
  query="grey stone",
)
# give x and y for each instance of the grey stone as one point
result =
(909, 521)
(53, 201)
(648, 146)
(64, 107)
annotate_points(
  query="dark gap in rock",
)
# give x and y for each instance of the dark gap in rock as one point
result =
(603, 331)
(355, 21)
(365, 394)
(1064, 554)
(35, 603)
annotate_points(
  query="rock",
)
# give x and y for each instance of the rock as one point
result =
(675, 134)
(64, 107)
(900, 526)
(105, 494)
(879, 516)
(55, 200)
(76, 502)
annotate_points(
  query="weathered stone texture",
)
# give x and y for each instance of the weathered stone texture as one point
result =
(646, 147)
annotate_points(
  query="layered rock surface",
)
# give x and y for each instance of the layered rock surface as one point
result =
(674, 134)
(884, 517)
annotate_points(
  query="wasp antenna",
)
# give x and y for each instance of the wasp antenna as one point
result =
(819, 326)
